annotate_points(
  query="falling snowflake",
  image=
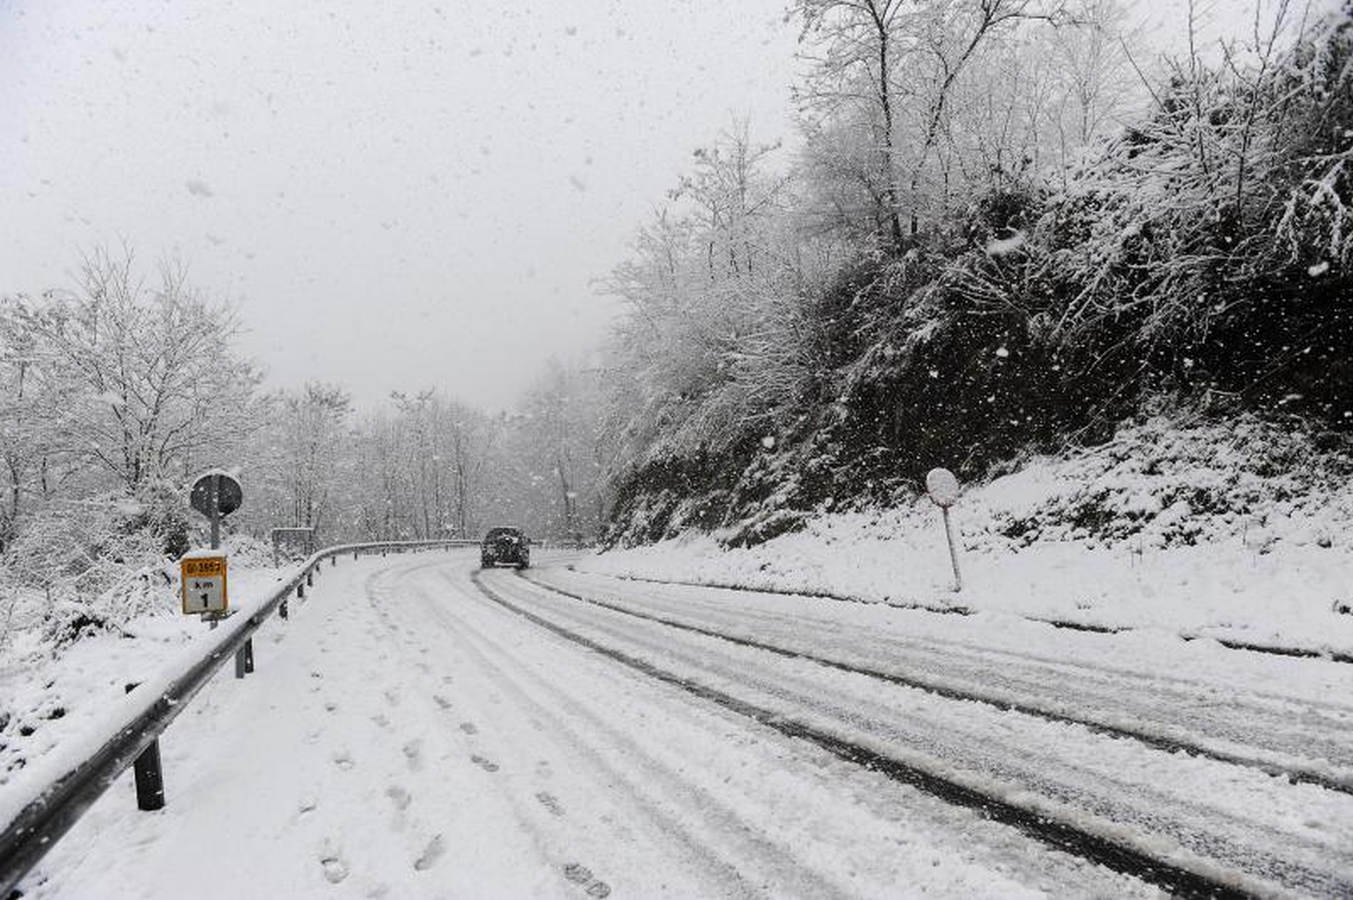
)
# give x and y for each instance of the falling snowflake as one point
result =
(768, 442)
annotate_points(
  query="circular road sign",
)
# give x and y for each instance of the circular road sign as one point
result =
(942, 487)
(231, 496)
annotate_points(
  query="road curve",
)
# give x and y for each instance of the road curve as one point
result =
(1232, 825)
(406, 735)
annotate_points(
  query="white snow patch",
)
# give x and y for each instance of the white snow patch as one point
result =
(1236, 531)
(1003, 246)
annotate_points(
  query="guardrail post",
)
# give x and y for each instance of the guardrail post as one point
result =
(148, 775)
(333, 561)
(241, 663)
(282, 609)
(309, 577)
(300, 591)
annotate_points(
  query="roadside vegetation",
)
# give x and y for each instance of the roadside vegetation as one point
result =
(117, 392)
(1009, 229)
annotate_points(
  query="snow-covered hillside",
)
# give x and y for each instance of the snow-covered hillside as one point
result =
(1242, 531)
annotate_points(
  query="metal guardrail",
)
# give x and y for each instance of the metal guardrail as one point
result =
(47, 816)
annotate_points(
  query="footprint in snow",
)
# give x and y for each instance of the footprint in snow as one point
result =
(577, 874)
(399, 796)
(392, 695)
(306, 805)
(335, 870)
(447, 679)
(381, 720)
(343, 760)
(413, 754)
(330, 706)
(469, 728)
(441, 701)
(431, 853)
(550, 802)
(583, 877)
(486, 765)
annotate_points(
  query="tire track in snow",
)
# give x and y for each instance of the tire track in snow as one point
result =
(409, 643)
(785, 790)
(1196, 878)
(582, 729)
(1304, 739)
(1336, 656)
(1115, 800)
(1294, 774)
(694, 593)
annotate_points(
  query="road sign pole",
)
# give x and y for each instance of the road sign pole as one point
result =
(215, 511)
(953, 550)
(943, 489)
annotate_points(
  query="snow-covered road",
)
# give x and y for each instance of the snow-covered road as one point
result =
(422, 729)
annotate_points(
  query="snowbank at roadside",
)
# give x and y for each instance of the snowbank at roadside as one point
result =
(1241, 531)
(51, 689)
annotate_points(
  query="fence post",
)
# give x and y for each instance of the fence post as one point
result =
(148, 775)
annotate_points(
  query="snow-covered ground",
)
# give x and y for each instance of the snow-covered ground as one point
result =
(422, 729)
(50, 692)
(1242, 532)
(405, 736)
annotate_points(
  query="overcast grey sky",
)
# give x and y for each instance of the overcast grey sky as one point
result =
(396, 195)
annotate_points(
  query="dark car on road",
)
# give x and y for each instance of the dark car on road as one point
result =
(505, 546)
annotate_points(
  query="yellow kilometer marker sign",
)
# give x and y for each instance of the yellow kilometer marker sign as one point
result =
(204, 583)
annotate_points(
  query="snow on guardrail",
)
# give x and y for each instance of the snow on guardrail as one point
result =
(45, 800)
